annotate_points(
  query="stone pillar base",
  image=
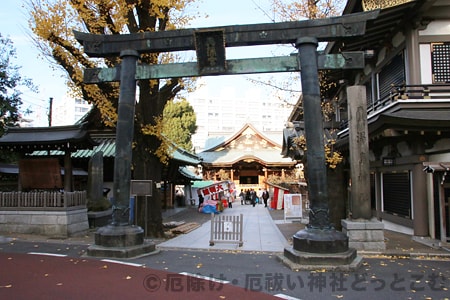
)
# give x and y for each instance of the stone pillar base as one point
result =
(341, 262)
(120, 242)
(315, 240)
(315, 249)
(364, 234)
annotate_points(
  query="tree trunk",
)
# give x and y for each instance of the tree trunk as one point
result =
(146, 165)
(149, 215)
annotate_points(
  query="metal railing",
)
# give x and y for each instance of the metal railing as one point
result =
(405, 92)
(423, 91)
(416, 91)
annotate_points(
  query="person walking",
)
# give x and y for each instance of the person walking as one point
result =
(259, 196)
(253, 197)
(242, 196)
(265, 196)
(200, 199)
(248, 196)
(230, 200)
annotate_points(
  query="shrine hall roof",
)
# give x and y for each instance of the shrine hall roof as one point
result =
(227, 157)
(28, 139)
(247, 145)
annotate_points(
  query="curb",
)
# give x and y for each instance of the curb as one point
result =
(409, 255)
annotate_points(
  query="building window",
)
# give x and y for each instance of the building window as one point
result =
(397, 194)
(81, 109)
(369, 95)
(81, 101)
(440, 62)
(373, 198)
(391, 74)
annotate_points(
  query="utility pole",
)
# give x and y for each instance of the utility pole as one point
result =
(50, 102)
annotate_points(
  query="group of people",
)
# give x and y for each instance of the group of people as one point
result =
(250, 195)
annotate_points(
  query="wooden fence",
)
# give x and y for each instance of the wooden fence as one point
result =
(42, 199)
(226, 229)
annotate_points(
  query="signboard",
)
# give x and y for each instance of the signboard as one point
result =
(227, 226)
(141, 187)
(217, 188)
(292, 206)
(40, 173)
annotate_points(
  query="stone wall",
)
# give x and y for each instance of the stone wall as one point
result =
(54, 223)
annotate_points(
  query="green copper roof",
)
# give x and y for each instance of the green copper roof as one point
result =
(108, 147)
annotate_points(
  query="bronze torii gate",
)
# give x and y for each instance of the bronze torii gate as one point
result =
(210, 43)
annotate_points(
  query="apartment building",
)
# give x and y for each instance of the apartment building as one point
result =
(220, 115)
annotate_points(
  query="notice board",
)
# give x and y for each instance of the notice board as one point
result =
(40, 173)
(292, 206)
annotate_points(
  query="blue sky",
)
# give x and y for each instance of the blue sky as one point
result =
(13, 24)
(51, 83)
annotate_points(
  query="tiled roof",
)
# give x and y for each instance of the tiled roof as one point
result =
(28, 139)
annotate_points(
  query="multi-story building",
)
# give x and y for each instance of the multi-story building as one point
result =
(407, 83)
(68, 111)
(222, 115)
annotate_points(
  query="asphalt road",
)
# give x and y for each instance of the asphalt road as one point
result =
(378, 278)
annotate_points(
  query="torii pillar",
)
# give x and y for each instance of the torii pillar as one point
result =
(319, 245)
(120, 238)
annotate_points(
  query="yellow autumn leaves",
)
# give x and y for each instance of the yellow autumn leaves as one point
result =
(332, 157)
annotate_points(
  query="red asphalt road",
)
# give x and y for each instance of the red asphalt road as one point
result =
(30, 276)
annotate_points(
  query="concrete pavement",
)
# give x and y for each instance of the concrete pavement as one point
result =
(260, 233)
(266, 231)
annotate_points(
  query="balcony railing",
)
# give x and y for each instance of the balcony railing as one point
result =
(405, 92)
(428, 91)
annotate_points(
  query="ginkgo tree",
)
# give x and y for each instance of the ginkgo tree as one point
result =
(287, 10)
(53, 23)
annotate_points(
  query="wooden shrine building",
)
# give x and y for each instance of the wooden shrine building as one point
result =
(247, 158)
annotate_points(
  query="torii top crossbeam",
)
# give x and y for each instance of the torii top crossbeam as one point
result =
(329, 29)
